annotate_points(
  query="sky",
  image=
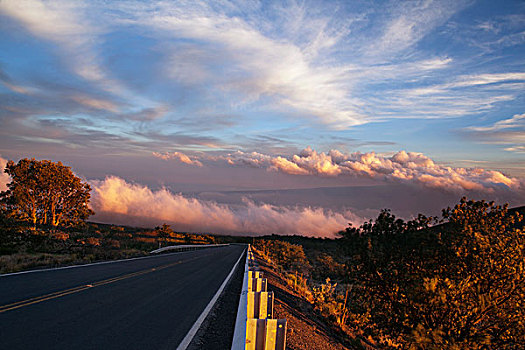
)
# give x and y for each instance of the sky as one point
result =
(266, 116)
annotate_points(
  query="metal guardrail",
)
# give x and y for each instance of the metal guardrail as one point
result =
(184, 247)
(255, 329)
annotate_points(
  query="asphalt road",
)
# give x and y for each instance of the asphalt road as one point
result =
(146, 303)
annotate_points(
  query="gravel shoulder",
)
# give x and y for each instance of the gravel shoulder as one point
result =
(216, 332)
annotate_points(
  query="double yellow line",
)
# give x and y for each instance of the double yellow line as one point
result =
(39, 299)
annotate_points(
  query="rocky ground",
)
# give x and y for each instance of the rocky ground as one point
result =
(305, 329)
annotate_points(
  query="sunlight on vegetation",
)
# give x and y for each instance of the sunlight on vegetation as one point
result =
(46, 193)
(42, 222)
(457, 282)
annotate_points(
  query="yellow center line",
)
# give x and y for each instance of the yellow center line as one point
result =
(54, 295)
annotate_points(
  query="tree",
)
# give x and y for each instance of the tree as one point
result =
(481, 298)
(45, 192)
(163, 232)
(459, 285)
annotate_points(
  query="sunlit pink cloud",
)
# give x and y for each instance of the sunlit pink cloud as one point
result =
(406, 167)
(181, 157)
(117, 201)
(4, 178)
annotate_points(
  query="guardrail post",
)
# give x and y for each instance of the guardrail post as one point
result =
(275, 334)
(265, 334)
(254, 274)
(257, 285)
(266, 305)
(255, 334)
(260, 305)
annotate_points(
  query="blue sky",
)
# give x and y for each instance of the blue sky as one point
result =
(112, 88)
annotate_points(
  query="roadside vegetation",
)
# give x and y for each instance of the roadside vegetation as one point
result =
(24, 247)
(43, 217)
(454, 282)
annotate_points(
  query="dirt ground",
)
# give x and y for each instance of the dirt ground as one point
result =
(304, 329)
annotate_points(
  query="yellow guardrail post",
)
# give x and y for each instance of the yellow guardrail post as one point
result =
(261, 331)
(260, 305)
(275, 335)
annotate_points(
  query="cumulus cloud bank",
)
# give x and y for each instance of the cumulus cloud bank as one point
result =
(406, 167)
(115, 200)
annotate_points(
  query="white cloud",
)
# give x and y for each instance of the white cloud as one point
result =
(410, 21)
(463, 95)
(500, 82)
(294, 68)
(95, 103)
(517, 149)
(485, 79)
(63, 22)
(262, 66)
(342, 69)
(115, 200)
(516, 122)
(510, 132)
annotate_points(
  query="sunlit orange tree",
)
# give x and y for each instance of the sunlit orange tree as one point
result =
(45, 192)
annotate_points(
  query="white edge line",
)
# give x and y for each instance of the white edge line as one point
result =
(90, 264)
(189, 337)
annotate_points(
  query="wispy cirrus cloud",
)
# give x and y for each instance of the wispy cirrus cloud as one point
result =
(96, 103)
(297, 77)
(515, 122)
(77, 30)
(64, 23)
(517, 149)
(510, 132)
(409, 22)
(499, 32)
(462, 95)
(312, 63)
(257, 64)
(289, 64)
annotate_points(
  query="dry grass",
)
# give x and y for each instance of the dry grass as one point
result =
(24, 261)
(28, 261)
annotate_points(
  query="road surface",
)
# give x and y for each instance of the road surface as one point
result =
(148, 303)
